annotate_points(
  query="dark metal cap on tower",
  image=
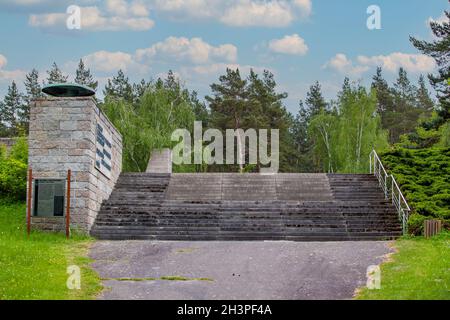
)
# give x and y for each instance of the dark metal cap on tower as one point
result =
(68, 90)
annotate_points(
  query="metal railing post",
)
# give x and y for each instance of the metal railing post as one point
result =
(402, 208)
(392, 190)
(68, 204)
(30, 194)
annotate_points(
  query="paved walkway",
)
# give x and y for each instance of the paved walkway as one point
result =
(238, 270)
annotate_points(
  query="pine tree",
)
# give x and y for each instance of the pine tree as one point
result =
(403, 87)
(385, 99)
(314, 105)
(404, 115)
(199, 108)
(266, 111)
(32, 86)
(301, 140)
(84, 76)
(11, 108)
(55, 75)
(423, 96)
(119, 88)
(33, 91)
(228, 104)
(3, 128)
(171, 82)
(439, 49)
(139, 89)
(315, 101)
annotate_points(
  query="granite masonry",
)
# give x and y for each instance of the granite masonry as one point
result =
(64, 134)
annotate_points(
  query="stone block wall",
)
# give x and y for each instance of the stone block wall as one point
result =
(63, 133)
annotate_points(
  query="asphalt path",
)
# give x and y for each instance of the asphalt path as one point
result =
(219, 270)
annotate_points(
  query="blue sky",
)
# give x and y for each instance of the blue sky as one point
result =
(300, 41)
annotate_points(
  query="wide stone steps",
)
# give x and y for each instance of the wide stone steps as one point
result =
(292, 207)
(277, 225)
(252, 234)
(263, 236)
(263, 223)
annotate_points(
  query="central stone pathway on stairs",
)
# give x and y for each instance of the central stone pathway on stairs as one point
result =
(234, 270)
(249, 187)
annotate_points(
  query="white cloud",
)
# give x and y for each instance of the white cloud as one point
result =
(290, 44)
(43, 4)
(105, 61)
(342, 64)
(182, 9)
(117, 15)
(123, 9)
(110, 15)
(414, 63)
(211, 71)
(47, 20)
(139, 9)
(305, 6)
(392, 62)
(29, 2)
(10, 75)
(194, 50)
(117, 7)
(3, 61)
(238, 13)
(203, 56)
(253, 13)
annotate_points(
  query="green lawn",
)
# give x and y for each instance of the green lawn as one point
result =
(35, 267)
(420, 269)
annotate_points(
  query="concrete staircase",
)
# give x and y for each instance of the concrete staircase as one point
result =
(296, 207)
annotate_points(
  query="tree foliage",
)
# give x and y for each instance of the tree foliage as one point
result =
(252, 102)
(427, 192)
(344, 137)
(439, 49)
(13, 170)
(55, 75)
(148, 125)
(402, 105)
(119, 87)
(84, 76)
(13, 112)
(304, 135)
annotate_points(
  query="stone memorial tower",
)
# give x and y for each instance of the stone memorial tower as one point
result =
(71, 133)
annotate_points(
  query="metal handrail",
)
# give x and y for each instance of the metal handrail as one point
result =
(391, 190)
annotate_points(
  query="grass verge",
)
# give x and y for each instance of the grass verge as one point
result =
(36, 267)
(418, 270)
